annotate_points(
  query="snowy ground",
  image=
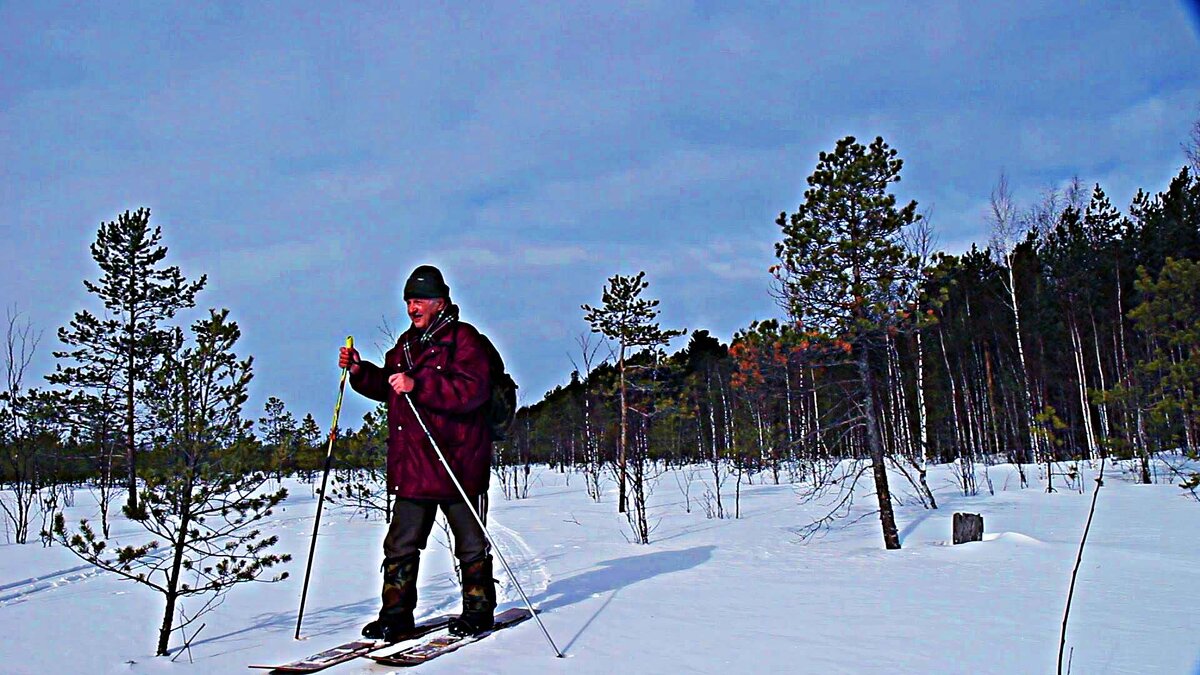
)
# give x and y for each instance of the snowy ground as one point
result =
(707, 596)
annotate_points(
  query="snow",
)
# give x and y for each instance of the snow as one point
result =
(706, 596)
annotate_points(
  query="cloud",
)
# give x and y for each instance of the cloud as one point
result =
(728, 259)
(351, 186)
(581, 204)
(268, 266)
(552, 256)
(490, 256)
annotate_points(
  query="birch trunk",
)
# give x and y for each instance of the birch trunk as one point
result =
(1081, 374)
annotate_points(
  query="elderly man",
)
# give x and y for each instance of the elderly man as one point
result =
(442, 364)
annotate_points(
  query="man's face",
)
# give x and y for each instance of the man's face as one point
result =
(422, 310)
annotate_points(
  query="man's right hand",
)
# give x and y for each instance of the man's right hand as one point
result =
(348, 358)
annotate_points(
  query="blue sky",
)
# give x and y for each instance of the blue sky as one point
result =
(307, 157)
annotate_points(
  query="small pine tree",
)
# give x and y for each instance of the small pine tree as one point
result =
(310, 455)
(362, 482)
(199, 499)
(280, 437)
(1166, 382)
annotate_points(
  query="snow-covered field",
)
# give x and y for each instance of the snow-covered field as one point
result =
(706, 596)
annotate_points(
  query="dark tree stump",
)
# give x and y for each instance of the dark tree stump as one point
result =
(968, 527)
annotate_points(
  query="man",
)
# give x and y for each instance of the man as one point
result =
(442, 365)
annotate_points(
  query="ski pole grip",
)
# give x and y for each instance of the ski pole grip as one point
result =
(350, 345)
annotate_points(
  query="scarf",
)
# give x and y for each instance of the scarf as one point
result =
(440, 323)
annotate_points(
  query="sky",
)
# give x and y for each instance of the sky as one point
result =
(307, 157)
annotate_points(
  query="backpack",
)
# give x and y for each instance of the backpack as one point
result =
(500, 411)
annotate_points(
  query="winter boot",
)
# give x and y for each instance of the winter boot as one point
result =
(479, 599)
(399, 600)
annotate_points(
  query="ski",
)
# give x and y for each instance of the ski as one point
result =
(352, 650)
(433, 647)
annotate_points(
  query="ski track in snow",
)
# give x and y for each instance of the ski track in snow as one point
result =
(21, 590)
(529, 568)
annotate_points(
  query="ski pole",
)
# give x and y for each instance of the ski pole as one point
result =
(312, 548)
(483, 527)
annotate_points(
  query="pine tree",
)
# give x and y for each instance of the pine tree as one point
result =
(280, 436)
(140, 295)
(844, 272)
(629, 320)
(1168, 379)
(202, 502)
(709, 367)
(310, 456)
(362, 482)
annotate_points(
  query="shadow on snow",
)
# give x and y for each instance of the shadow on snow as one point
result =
(612, 576)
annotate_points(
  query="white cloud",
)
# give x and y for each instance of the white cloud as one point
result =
(268, 264)
(469, 257)
(482, 255)
(552, 256)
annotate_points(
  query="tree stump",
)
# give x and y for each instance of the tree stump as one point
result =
(968, 527)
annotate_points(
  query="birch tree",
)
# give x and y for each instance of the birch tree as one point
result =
(1006, 233)
(20, 451)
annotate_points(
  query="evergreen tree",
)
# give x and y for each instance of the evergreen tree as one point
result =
(310, 456)
(140, 295)
(1167, 225)
(1168, 379)
(280, 436)
(845, 273)
(708, 396)
(361, 483)
(201, 501)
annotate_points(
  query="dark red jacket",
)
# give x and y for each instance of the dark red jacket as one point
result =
(452, 382)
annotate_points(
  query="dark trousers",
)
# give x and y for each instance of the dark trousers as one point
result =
(412, 521)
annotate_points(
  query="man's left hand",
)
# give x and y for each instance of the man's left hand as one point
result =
(401, 383)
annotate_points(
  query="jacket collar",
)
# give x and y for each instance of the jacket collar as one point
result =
(415, 341)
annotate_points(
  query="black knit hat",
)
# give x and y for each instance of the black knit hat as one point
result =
(426, 282)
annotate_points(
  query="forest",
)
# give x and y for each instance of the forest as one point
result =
(1070, 336)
